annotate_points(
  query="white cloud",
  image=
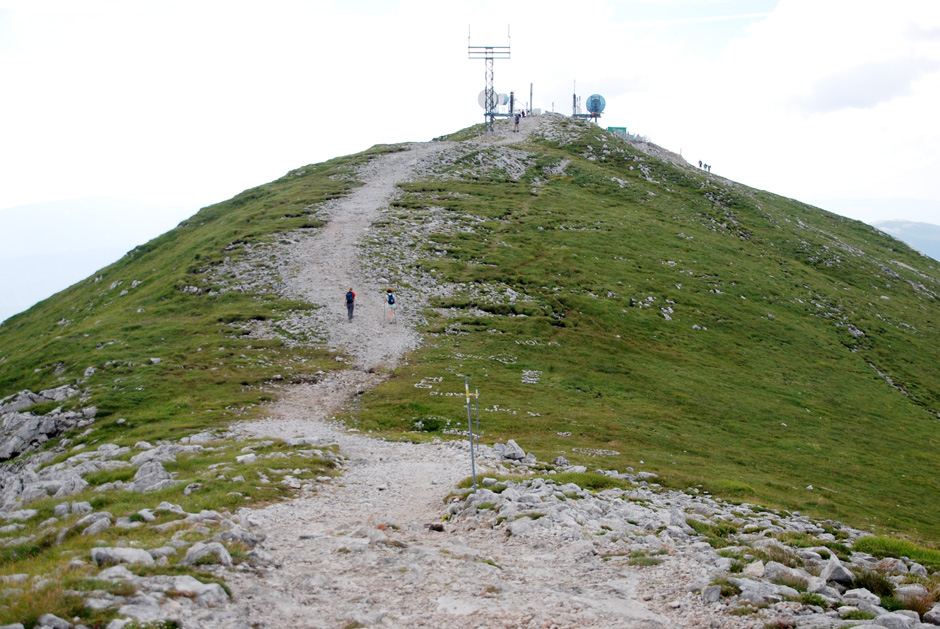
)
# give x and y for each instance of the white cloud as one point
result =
(191, 102)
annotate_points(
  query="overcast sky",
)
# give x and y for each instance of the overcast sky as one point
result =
(182, 103)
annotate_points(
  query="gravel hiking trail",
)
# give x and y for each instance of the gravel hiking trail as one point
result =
(359, 550)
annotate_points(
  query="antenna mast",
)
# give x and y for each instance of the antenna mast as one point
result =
(488, 54)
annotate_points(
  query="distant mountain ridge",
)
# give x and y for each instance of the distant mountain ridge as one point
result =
(925, 237)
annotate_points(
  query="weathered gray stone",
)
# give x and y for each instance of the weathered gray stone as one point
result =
(26, 398)
(513, 452)
(206, 594)
(910, 590)
(522, 527)
(933, 616)
(61, 510)
(97, 604)
(240, 535)
(163, 551)
(560, 461)
(755, 569)
(143, 612)
(22, 432)
(894, 621)
(213, 552)
(861, 594)
(758, 592)
(892, 564)
(165, 453)
(119, 573)
(78, 508)
(19, 516)
(259, 558)
(125, 522)
(70, 486)
(91, 518)
(776, 572)
(169, 506)
(113, 556)
(97, 527)
(835, 571)
(918, 570)
(151, 476)
(53, 622)
(711, 594)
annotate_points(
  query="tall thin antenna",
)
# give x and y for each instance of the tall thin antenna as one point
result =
(488, 54)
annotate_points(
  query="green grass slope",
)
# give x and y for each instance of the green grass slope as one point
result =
(799, 350)
(161, 301)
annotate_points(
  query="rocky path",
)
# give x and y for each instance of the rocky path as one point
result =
(361, 551)
(331, 265)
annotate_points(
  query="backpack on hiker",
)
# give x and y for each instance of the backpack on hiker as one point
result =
(350, 297)
(391, 299)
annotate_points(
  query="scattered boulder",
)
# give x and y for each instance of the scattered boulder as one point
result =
(933, 616)
(711, 594)
(22, 432)
(151, 476)
(164, 453)
(892, 564)
(205, 594)
(114, 556)
(755, 569)
(835, 571)
(53, 622)
(861, 594)
(513, 452)
(212, 552)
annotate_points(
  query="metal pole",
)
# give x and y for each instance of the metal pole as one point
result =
(473, 462)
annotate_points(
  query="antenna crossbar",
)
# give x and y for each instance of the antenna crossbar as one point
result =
(488, 52)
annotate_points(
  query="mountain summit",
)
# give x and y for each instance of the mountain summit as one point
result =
(599, 301)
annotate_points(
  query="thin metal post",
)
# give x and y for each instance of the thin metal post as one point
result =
(490, 95)
(473, 462)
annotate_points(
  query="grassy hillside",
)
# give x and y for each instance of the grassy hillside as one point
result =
(165, 300)
(609, 305)
(799, 349)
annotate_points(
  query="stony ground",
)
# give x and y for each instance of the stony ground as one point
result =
(362, 550)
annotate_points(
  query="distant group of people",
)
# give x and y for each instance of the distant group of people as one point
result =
(389, 303)
(704, 166)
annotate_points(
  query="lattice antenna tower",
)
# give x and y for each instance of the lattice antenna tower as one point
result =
(489, 54)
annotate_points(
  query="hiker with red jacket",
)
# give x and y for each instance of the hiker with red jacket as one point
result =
(350, 302)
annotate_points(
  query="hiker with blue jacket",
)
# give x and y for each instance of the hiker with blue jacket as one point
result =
(390, 304)
(350, 302)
